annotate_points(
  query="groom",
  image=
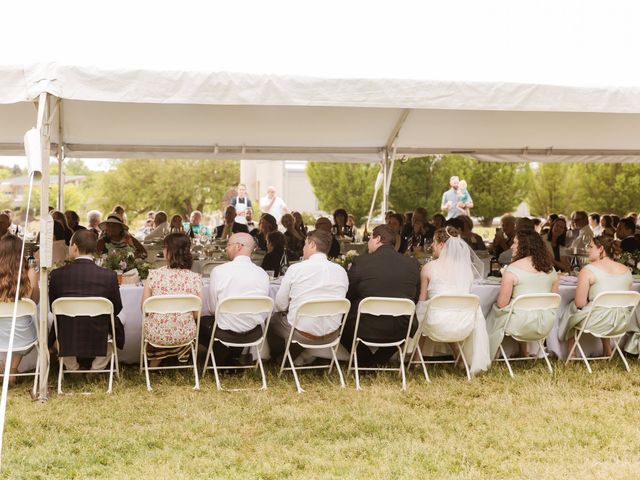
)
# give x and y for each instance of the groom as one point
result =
(451, 200)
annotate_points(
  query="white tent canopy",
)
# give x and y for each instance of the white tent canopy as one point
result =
(170, 114)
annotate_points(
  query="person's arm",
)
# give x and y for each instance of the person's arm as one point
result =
(267, 206)
(147, 289)
(213, 295)
(444, 205)
(469, 202)
(555, 288)
(35, 288)
(282, 297)
(424, 283)
(141, 252)
(585, 280)
(506, 289)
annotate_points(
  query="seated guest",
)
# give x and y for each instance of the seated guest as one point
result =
(119, 209)
(14, 228)
(161, 228)
(615, 219)
(195, 227)
(407, 217)
(238, 278)
(324, 224)
(395, 223)
(340, 228)
(351, 223)
(606, 222)
(453, 272)
(115, 236)
(582, 232)
(73, 220)
(438, 220)
(94, 217)
(547, 224)
(626, 234)
(174, 279)
(504, 235)
(83, 340)
(266, 225)
(230, 225)
(594, 224)
(537, 224)
(475, 241)
(276, 257)
(382, 273)
(419, 233)
(248, 216)
(556, 244)
(602, 274)
(315, 278)
(531, 272)
(295, 240)
(300, 226)
(25, 331)
(522, 224)
(175, 225)
(62, 220)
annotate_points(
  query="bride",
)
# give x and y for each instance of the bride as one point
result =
(453, 272)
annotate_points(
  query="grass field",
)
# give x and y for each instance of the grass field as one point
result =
(566, 425)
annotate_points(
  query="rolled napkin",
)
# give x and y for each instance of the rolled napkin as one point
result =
(130, 277)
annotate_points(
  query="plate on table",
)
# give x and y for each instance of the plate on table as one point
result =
(492, 281)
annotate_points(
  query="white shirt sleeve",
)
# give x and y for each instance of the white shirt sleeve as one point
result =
(213, 296)
(282, 297)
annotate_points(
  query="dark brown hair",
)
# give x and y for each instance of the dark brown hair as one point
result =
(530, 244)
(386, 234)
(277, 240)
(442, 234)
(606, 242)
(178, 247)
(10, 262)
(86, 241)
(322, 240)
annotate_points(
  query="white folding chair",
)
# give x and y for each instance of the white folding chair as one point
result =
(240, 306)
(86, 307)
(26, 307)
(609, 301)
(164, 304)
(396, 307)
(317, 308)
(462, 305)
(530, 302)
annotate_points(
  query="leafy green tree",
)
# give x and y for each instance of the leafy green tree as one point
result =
(177, 186)
(343, 185)
(553, 188)
(608, 187)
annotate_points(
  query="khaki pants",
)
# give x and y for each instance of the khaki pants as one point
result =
(98, 363)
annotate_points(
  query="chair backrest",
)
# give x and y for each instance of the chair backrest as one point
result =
(536, 301)
(172, 304)
(455, 302)
(26, 306)
(82, 306)
(395, 307)
(617, 299)
(324, 307)
(245, 305)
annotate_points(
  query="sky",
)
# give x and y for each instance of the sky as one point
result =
(565, 42)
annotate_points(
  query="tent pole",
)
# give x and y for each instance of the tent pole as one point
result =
(60, 203)
(45, 239)
(385, 174)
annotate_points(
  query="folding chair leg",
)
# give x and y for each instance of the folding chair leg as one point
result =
(335, 359)
(295, 374)
(264, 378)
(506, 360)
(355, 366)
(60, 374)
(111, 374)
(146, 368)
(35, 378)
(624, 360)
(464, 361)
(215, 369)
(424, 365)
(584, 357)
(573, 349)
(546, 357)
(195, 367)
(404, 377)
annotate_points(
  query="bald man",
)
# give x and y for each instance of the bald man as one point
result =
(273, 205)
(238, 278)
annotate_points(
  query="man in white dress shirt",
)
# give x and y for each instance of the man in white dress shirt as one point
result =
(273, 205)
(238, 278)
(314, 278)
(161, 229)
(594, 224)
(583, 233)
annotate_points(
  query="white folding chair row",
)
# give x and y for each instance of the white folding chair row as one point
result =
(396, 307)
(609, 301)
(463, 305)
(86, 307)
(256, 305)
(26, 307)
(319, 308)
(166, 304)
(529, 302)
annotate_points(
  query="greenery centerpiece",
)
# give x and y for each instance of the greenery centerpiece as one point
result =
(346, 259)
(125, 261)
(631, 260)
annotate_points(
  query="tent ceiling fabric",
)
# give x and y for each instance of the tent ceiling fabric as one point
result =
(164, 114)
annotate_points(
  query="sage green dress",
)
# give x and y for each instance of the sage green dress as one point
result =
(523, 324)
(603, 321)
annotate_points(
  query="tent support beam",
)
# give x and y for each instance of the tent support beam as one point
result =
(60, 158)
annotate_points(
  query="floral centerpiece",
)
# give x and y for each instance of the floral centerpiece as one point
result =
(125, 261)
(631, 260)
(346, 259)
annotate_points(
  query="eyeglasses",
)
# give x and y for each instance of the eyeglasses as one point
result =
(235, 243)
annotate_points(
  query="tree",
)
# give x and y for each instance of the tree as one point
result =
(608, 187)
(343, 185)
(177, 186)
(553, 188)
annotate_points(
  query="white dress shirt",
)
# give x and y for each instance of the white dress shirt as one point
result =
(312, 279)
(238, 278)
(158, 233)
(275, 210)
(597, 230)
(582, 240)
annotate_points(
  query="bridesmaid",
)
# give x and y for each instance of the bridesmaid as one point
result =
(530, 272)
(602, 274)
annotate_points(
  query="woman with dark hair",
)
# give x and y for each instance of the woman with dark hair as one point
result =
(174, 279)
(395, 222)
(615, 220)
(340, 228)
(175, 225)
(299, 225)
(602, 274)
(276, 257)
(530, 272)
(295, 240)
(606, 222)
(66, 233)
(266, 225)
(10, 264)
(438, 220)
(556, 241)
(115, 236)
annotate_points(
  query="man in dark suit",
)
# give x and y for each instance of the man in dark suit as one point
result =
(382, 273)
(83, 340)
(625, 232)
(230, 225)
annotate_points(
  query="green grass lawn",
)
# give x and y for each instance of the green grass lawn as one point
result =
(566, 425)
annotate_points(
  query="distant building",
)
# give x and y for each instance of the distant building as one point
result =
(13, 190)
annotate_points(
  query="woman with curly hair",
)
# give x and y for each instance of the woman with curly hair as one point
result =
(530, 272)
